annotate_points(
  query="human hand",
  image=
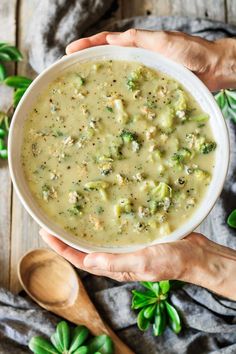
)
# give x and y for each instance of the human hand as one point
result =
(212, 62)
(194, 259)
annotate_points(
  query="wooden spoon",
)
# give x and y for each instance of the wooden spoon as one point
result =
(52, 282)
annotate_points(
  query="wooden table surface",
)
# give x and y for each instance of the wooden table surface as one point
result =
(18, 231)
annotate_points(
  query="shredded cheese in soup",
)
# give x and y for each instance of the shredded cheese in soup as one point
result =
(117, 153)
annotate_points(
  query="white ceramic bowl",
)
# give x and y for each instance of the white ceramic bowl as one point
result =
(150, 59)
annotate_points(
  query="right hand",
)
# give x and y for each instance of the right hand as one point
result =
(212, 62)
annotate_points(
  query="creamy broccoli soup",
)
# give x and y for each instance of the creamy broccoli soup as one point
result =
(117, 153)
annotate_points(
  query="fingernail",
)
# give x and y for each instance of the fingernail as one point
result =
(43, 234)
(92, 261)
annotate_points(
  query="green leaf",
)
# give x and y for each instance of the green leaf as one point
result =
(4, 44)
(149, 312)
(2, 144)
(160, 323)
(174, 319)
(231, 221)
(5, 57)
(2, 133)
(79, 336)
(165, 286)
(3, 72)
(153, 286)
(142, 322)
(82, 350)
(102, 343)
(63, 332)
(56, 342)
(13, 52)
(18, 94)
(232, 102)
(39, 345)
(4, 154)
(137, 303)
(220, 99)
(144, 295)
(18, 81)
(231, 94)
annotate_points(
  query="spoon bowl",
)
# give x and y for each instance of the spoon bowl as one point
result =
(52, 282)
(43, 272)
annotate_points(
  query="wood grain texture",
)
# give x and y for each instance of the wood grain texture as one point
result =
(24, 229)
(7, 33)
(213, 9)
(231, 11)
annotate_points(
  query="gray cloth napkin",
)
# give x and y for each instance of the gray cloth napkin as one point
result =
(209, 321)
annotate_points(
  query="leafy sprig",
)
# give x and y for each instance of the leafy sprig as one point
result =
(231, 220)
(226, 100)
(7, 53)
(68, 340)
(19, 83)
(155, 309)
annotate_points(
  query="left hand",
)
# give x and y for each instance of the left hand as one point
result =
(164, 261)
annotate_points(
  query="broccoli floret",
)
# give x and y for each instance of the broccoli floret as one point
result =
(180, 103)
(200, 118)
(124, 206)
(99, 185)
(132, 84)
(207, 147)
(80, 80)
(109, 109)
(202, 175)
(75, 210)
(154, 205)
(128, 136)
(133, 79)
(180, 156)
(161, 191)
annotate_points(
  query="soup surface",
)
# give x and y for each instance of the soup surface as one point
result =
(117, 153)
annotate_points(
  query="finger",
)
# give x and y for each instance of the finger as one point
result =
(128, 262)
(97, 39)
(135, 38)
(69, 253)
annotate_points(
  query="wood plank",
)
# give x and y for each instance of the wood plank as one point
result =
(212, 9)
(24, 229)
(7, 33)
(231, 11)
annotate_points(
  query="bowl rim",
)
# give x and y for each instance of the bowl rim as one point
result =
(103, 50)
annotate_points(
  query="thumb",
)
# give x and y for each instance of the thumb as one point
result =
(129, 262)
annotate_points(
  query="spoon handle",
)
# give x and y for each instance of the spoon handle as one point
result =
(84, 313)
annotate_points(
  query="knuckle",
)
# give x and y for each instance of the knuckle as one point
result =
(125, 276)
(132, 34)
